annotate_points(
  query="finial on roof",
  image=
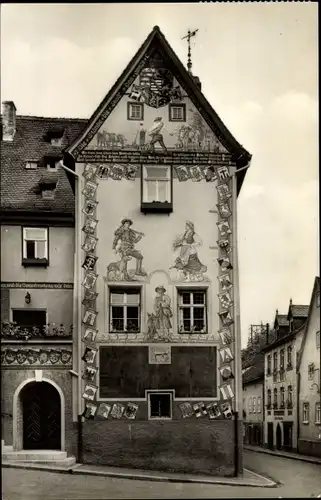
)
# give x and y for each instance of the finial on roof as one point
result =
(156, 28)
(277, 312)
(189, 59)
(290, 302)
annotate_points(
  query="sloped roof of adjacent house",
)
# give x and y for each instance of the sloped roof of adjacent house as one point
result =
(19, 186)
(256, 371)
(283, 340)
(282, 319)
(315, 290)
(157, 40)
(299, 311)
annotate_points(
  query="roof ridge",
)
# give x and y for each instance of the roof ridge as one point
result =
(32, 117)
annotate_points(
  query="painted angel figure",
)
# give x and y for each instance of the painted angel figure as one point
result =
(188, 261)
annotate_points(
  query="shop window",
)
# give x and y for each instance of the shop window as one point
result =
(318, 412)
(156, 189)
(135, 111)
(177, 113)
(159, 405)
(124, 310)
(35, 246)
(192, 311)
(306, 413)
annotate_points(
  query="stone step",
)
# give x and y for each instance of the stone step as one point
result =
(6, 448)
(63, 463)
(34, 455)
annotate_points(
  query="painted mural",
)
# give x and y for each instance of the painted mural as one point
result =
(187, 264)
(159, 323)
(124, 244)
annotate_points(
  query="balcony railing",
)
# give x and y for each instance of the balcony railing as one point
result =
(12, 331)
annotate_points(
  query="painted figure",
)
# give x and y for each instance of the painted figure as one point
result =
(188, 261)
(156, 135)
(140, 138)
(124, 244)
(163, 311)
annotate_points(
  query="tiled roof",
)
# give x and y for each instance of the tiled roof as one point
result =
(256, 371)
(19, 186)
(300, 311)
(282, 319)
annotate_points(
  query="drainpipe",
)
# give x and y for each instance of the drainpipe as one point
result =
(298, 410)
(77, 280)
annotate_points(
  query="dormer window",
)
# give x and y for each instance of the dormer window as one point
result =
(52, 163)
(31, 165)
(156, 189)
(56, 141)
(55, 136)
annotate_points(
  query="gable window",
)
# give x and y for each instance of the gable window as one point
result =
(135, 111)
(177, 113)
(306, 413)
(31, 165)
(317, 337)
(259, 404)
(318, 412)
(311, 371)
(282, 397)
(156, 188)
(275, 398)
(290, 397)
(250, 405)
(289, 356)
(269, 364)
(254, 405)
(192, 311)
(35, 246)
(124, 310)
(159, 405)
(269, 398)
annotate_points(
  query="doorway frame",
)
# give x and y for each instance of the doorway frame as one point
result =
(17, 413)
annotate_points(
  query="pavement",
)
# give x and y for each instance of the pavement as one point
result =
(284, 454)
(248, 478)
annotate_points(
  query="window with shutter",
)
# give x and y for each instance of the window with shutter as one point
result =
(35, 246)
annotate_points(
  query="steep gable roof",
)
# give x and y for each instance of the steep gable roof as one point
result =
(157, 39)
(316, 288)
(19, 186)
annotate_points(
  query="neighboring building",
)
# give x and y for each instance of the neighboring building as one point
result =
(253, 401)
(37, 274)
(160, 277)
(280, 391)
(309, 382)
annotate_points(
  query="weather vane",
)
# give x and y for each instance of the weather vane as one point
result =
(189, 60)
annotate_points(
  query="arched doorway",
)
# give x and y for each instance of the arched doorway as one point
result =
(41, 414)
(278, 437)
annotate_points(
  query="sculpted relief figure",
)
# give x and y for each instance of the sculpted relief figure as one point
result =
(124, 244)
(187, 263)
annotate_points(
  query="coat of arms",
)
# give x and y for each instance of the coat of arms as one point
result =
(21, 357)
(65, 356)
(155, 88)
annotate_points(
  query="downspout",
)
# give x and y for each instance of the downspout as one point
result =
(77, 280)
(298, 410)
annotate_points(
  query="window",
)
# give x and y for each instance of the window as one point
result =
(56, 141)
(306, 413)
(282, 397)
(250, 405)
(282, 360)
(52, 163)
(35, 246)
(318, 339)
(318, 412)
(135, 111)
(192, 311)
(290, 397)
(31, 165)
(275, 398)
(124, 311)
(269, 398)
(29, 318)
(311, 371)
(157, 188)
(269, 364)
(254, 405)
(259, 405)
(159, 405)
(275, 362)
(289, 356)
(177, 113)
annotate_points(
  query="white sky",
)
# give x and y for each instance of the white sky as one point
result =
(258, 67)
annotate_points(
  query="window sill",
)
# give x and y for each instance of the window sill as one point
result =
(160, 418)
(156, 207)
(305, 423)
(35, 262)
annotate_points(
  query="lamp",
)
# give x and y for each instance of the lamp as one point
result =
(27, 298)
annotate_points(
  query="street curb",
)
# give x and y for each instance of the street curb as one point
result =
(311, 460)
(268, 483)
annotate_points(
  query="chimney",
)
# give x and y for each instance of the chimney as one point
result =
(8, 120)
(197, 81)
(267, 333)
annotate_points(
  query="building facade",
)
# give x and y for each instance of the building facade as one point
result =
(253, 402)
(309, 383)
(156, 368)
(37, 274)
(280, 391)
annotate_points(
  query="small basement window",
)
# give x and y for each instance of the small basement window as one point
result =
(157, 189)
(159, 405)
(31, 165)
(177, 113)
(35, 246)
(135, 111)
